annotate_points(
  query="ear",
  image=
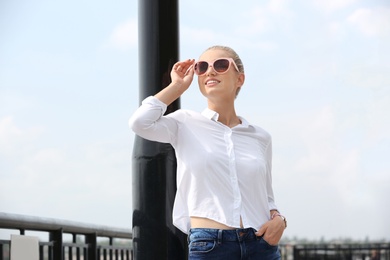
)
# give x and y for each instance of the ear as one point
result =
(240, 80)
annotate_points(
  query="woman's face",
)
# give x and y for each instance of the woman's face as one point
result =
(217, 86)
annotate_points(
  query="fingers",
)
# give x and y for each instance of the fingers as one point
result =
(271, 232)
(261, 231)
(183, 66)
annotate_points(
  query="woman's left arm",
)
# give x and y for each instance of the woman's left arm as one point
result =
(272, 230)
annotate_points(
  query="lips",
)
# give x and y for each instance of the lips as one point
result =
(211, 82)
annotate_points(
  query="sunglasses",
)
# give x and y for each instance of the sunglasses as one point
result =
(220, 66)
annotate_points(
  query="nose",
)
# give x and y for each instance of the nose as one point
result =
(210, 70)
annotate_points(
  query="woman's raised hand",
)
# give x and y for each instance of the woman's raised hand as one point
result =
(182, 73)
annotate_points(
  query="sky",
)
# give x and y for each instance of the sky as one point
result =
(317, 79)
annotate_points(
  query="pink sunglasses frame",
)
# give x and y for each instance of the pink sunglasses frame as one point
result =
(211, 64)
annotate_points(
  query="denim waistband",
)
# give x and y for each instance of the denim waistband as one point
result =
(239, 234)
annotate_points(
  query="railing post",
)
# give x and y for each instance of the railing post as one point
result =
(111, 242)
(91, 241)
(56, 238)
(154, 164)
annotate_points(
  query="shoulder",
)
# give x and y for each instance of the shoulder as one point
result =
(261, 132)
(184, 114)
(263, 135)
(258, 131)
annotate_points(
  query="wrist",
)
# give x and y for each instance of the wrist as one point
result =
(170, 93)
(277, 214)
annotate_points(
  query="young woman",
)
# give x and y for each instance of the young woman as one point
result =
(224, 200)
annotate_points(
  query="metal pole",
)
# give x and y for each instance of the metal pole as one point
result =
(154, 164)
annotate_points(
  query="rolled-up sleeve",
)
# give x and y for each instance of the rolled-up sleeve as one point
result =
(149, 123)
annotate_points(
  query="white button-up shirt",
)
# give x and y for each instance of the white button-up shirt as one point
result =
(223, 173)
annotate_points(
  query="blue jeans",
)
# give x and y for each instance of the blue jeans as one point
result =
(242, 243)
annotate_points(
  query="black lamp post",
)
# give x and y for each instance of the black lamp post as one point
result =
(154, 164)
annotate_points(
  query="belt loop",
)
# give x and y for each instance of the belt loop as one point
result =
(219, 236)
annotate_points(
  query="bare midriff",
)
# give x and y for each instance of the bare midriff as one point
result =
(197, 222)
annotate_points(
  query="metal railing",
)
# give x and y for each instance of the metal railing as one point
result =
(68, 240)
(79, 241)
(347, 251)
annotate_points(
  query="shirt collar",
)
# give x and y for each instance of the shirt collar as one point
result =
(244, 123)
(212, 115)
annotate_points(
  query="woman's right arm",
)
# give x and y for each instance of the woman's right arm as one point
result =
(148, 121)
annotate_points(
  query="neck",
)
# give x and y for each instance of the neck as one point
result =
(227, 113)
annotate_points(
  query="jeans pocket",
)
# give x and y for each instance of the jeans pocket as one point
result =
(268, 244)
(201, 246)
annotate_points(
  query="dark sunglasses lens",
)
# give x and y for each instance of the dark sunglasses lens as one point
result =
(221, 65)
(201, 67)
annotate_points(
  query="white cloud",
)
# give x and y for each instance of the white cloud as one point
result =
(377, 119)
(367, 74)
(328, 161)
(335, 30)
(278, 6)
(198, 36)
(47, 157)
(124, 35)
(68, 182)
(8, 130)
(329, 154)
(260, 19)
(332, 5)
(255, 21)
(14, 139)
(371, 22)
(203, 38)
(317, 137)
